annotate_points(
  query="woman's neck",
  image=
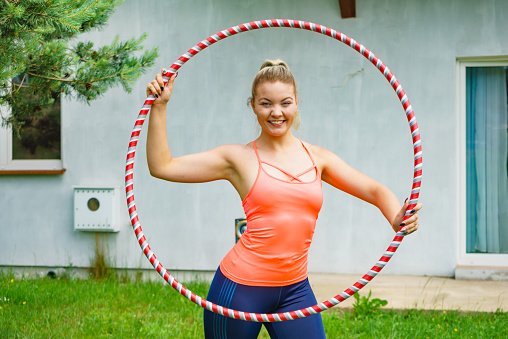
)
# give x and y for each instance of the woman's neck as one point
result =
(285, 141)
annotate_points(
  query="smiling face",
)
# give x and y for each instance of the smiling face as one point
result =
(275, 106)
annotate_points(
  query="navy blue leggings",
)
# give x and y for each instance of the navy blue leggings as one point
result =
(256, 299)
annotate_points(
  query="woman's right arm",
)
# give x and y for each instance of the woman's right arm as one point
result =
(200, 167)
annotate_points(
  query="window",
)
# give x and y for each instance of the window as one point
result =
(37, 148)
(486, 160)
(483, 111)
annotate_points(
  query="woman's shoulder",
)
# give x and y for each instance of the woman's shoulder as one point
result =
(235, 147)
(234, 150)
(317, 150)
(322, 155)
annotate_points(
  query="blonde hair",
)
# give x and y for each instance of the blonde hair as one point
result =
(273, 71)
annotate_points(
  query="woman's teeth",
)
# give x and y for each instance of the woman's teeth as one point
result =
(277, 122)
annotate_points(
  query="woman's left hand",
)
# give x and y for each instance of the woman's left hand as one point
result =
(411, 224)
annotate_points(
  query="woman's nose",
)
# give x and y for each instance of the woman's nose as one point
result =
(276, 111)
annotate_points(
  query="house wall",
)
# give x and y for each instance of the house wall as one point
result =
(347, 106)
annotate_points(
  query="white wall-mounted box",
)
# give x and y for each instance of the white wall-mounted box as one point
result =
(96, 209)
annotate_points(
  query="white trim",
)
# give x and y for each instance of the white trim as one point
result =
(464, 258)
(8, 164)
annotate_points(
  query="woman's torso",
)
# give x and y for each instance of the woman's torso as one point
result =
(281, 209)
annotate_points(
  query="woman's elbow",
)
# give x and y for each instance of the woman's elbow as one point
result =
(155, 171)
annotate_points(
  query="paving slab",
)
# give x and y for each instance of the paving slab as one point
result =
(431, 293)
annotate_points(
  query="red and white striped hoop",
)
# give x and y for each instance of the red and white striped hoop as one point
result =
(415, 191)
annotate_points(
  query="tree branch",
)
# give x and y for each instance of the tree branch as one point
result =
(71, 80)
(75, 52)
(50, 78)
(76, 28)
(21, 83)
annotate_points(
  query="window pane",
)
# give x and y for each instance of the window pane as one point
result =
(487, 159)
(40, 136)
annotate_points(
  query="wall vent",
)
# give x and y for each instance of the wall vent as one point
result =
(96, 209)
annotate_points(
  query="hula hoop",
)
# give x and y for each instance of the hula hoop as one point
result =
(415, 190)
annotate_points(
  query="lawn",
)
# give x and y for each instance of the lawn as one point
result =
(120, 308)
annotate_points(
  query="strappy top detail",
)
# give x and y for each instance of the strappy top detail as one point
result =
(281, 217)
(291, 176)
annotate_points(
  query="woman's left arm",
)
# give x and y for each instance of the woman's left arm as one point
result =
(339, 174)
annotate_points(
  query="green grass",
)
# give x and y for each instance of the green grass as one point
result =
(116, 308)
(417, 324)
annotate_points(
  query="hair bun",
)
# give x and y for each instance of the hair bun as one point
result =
(274, 63)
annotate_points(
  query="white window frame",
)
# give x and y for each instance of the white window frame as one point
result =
(32, 166)
(464, 258)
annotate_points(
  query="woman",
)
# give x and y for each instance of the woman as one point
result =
(278, 178)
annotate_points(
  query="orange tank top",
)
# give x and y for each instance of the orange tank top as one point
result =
(281, 218)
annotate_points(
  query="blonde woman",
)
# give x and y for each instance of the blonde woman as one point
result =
(279, 179)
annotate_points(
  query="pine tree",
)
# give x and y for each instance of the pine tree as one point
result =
(41, 57)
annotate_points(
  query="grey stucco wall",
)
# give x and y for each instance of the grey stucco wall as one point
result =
(191, 226)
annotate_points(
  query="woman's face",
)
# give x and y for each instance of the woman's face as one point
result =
(275, 106)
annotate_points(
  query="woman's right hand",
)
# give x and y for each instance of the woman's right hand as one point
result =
(161, 92)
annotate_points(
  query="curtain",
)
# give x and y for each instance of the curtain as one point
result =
(486, 162)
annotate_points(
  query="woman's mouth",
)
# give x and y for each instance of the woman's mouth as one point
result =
(276, 123)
